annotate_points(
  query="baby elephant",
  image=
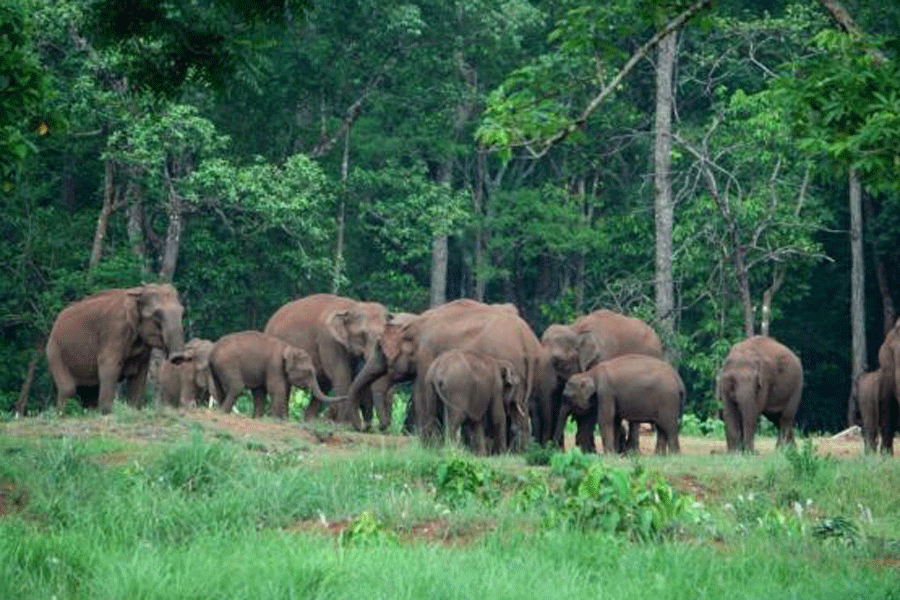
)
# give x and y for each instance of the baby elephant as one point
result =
(634, 387)
(478, 391)
(264, 364)
(187, 383)
(759, 377)
(868, 410)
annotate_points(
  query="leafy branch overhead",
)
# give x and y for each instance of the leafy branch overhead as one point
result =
(532, 108)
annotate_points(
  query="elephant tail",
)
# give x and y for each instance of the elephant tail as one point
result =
(217, 383)
(682, 395)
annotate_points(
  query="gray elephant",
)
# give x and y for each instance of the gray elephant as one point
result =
(108, 337)
(889, 386)
(405, 354)
(635, 387)
(570, 349)
(864, 409)
(760, 376)
(477, 392)
(338, 334)
(265, 365)
(187, 384)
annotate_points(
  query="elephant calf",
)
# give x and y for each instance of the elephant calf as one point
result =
(869, 410)
(634, 387)
(187, 383)
(263, 364)
(760, 376)
(477, 391)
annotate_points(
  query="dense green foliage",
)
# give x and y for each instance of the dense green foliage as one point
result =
(198, 514)
(269, 131)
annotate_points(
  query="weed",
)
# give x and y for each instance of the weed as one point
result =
(459, 479)
(538, 455)
(805, 463)
(195, 467)
(839, 529)
(367, 530)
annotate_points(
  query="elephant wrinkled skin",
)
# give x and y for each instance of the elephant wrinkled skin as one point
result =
(263, 364)
(339, 335)
(108, 337)
(634, 387)
(760, 376)
(570, 349)
(478, 392)
(187, 384)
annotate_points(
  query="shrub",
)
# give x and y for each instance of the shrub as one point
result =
(459, 479)
(195, 467)
(538, 455)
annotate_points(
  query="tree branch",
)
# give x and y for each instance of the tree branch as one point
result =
(673, 25)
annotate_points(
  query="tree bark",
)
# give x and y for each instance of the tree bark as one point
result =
(29, 379)
(663, 205)
(857, 278)
(341, 218)
(884, 289)
(439, 248)
(478, 207)
(109, 206)
(175, 212)
(135, 226)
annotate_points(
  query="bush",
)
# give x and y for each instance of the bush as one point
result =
(195, 467)
(459, 479)
(538, 455)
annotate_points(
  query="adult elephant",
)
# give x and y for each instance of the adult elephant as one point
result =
(478, 392)
(404, 353)
(108, 337)
(339, 335)
(889, 386)
(264, 364)
(187, 384)
(760, 376)
(865, 409)
(635, 387)
(576, 348)
(382, 389)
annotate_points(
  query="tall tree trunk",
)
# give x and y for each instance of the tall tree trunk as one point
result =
(439, 248)
(478, 207)
(109, 205)
(135, 225)
(857, 277)
(663, 205)
(341, 218)
(884, 289)
(175, 212)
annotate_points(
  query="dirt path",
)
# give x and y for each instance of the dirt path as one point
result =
(172, 425)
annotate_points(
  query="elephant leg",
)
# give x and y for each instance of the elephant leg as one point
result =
(453, 421)
(65, 386)
(732, 418)
(633, 445)
(785, 424)
(231, 393)
(280, 394)
(584, 433)
(749, 422)
(136, 384)
(426, 413)
(606, 415)
(886, 425)
(259, 402)
(497, 416)
(109, 376)
(662, 440)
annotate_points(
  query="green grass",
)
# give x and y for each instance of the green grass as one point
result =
(211, 518)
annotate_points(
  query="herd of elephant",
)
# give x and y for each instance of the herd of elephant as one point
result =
(477, 370)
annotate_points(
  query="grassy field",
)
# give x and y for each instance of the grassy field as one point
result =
(198, 504)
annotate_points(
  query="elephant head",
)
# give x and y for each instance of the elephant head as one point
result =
(512, 390)
(579, 390)
(560, 342)
(358, 329)
(155, 314)
(300, 372)
(591, 350)
(393, 356)
(744, 381)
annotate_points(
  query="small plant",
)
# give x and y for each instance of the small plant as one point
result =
(805, 463)
(709, 427)
(636, 503)
(459, 479)
(840, 529)
(570, 465)
(195, 467)
(538, 455)
(73, 408)
(367, 530)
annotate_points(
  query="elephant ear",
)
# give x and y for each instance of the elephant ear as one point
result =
(588, 350)
(338, 325)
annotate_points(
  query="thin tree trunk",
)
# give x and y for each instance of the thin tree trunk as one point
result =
(857, 277)
(109, 205)
(664, 209)
(439, 248)
(478, 206)
(135, 226)
(29, 379)
(884, 288)
(175, 210)
(341, 218)
(777, 279)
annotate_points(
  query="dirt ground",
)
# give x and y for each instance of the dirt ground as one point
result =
(318, 436)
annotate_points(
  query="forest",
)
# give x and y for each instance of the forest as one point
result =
(717, 169)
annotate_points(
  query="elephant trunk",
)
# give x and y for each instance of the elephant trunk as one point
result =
(561, 419)
(173, 339)
(375, 367)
